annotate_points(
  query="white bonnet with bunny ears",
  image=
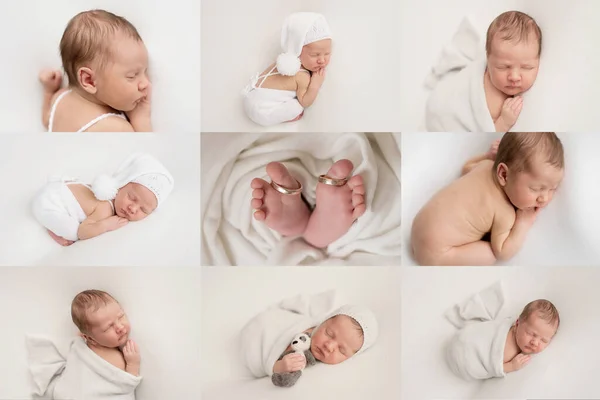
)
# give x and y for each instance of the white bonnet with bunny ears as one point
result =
(365, 318)
(138, 168)
(299, 29)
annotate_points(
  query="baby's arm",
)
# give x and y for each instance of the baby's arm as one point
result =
(97, 223)
(308, 86)
(289, 363)
(490, 155)
(509, 232)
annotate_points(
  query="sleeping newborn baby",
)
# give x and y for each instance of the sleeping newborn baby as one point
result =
(105, 328)
(106, 63)
(493, 348)
(339, 202)
(101, 363)
(513, 48)
(500, 193)
(71, 210)
(288, 86)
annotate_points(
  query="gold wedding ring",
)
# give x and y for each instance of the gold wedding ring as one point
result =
(327, 180)
(285, 190)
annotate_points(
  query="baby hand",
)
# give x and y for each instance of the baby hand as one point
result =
(491, 154)
(293, 362)
(131, 353)
(115, 222)
(527, 217)
(511, 109)
(317, 78)
(51, 80)
(142, 110)
(520, 361)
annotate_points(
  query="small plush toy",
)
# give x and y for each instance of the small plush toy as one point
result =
(300, 345)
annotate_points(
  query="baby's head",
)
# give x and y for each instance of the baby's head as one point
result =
(100, 319)
(306, 42)
(536, 326)
(104, 55)
(513, 47)
(529, 167)
(140, 185)
(352, 329)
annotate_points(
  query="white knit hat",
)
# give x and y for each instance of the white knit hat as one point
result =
(299, 29)
(365, 318)
(138, 168)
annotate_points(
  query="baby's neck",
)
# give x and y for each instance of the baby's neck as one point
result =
(88, 97)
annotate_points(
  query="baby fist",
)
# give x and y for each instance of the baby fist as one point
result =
(293, 362)
(511, 109)
(520, 361)
(491, 154)
(527, 217)
(131, 353)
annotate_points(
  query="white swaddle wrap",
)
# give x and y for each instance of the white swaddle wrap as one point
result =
(476, 351)
(457, 101)
(56, 208)
(79, 374)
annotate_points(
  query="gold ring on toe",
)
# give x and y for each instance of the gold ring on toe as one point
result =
(285, 190)
(327, 180)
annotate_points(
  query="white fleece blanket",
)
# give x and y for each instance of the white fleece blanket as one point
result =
(79, 374)
(477, 350)
(231, 236)
(267, 335)
(457, 101)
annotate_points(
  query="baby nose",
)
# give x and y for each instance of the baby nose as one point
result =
(514, 75)
(144, 83)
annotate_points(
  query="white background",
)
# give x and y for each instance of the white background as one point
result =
(169, 236)
(31, 31)
(566, 369)
(565, 233)
(232, 296)
(161, 304)
(360, 93)
(565, 93)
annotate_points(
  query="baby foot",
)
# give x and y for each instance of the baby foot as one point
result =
(284, 213)
(51, 80)
(60, 240)
(491, 154)
(297, 118)
(337, 207)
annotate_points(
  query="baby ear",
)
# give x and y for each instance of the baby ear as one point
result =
(86, 78)
(502, 173)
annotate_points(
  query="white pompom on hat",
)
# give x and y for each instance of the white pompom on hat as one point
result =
(299, 29)
(138, 168)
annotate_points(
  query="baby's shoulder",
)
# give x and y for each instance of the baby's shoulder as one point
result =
(112, 123)
(114, 357)
(302, 76)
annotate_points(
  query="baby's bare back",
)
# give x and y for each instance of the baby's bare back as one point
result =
(278, 81)
(73, 112)
(89, 203)
(460, 213)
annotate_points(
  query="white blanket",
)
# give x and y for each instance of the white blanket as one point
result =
(79, 374)
(231, 236)
(477, 350)
(457, 102)
(267, 335)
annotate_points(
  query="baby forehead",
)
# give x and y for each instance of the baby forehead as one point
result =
(323, 44)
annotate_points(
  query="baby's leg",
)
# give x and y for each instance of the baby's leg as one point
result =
(51, 81)
(284, 213)
(473, 254)
(60, 240)
(337, 207)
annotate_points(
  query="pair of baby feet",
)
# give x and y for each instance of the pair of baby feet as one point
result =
(336, 209)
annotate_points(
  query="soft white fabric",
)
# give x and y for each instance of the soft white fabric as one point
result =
(79, 374)
(269, 107)
(86, 126)
(477, 350)
(231, 236)
(367, 321)
(138, 168)
(457, 101)
(267, 335)
(299, 29)
(57, 209)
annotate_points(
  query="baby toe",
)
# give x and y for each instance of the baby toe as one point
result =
(256, 203)
(360, 189)
(359, 211)
(258, 193)
(357, 199)
(259, 215)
